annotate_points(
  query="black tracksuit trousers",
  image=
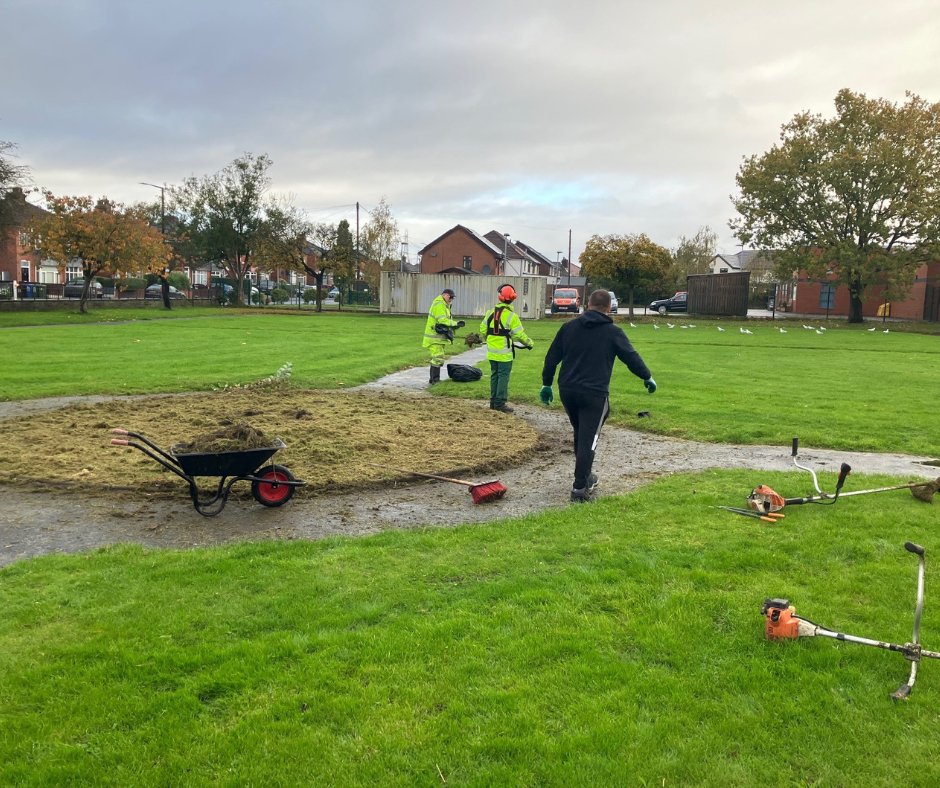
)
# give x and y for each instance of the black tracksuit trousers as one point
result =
(587, 411)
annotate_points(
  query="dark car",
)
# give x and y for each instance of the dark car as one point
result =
(678, 303)
(156, 291)
(73, 289)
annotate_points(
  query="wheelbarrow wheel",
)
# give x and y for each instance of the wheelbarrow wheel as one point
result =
(270, 490)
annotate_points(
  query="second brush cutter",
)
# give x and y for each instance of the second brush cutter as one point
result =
(764, 499)
(481, 492)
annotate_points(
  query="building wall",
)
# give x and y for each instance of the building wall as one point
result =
(450, 251)
(808, 294)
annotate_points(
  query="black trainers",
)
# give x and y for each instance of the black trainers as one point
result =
(581, 495)
(501, 408)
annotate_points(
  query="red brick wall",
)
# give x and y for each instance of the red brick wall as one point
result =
(449, 251)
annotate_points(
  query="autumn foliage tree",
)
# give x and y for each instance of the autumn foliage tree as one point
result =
(856, 196)
(625, 262)
(104, 236)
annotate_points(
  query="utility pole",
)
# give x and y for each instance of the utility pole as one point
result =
(357, 240)
(569, 256)
(505, 251)
(162, 204)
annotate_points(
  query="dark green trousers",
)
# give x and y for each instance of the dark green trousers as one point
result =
(499, 382)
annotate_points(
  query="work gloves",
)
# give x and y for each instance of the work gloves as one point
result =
(460, 324)
(546, 395)
(650, 385)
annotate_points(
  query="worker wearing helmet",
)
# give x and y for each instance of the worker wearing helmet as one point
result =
(503, 330)
(438, 330)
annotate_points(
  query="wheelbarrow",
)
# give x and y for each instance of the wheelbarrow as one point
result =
(273, 485)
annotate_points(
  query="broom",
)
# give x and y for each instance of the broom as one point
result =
(481, 492)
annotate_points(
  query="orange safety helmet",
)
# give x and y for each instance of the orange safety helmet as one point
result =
(506, 294)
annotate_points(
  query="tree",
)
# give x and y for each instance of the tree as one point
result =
(625, 262)
(104, 236)
(282, 238)
(380, 243)
(855, 197)
(12, 176)
(693, 255)
(342, 257)
(224, 212)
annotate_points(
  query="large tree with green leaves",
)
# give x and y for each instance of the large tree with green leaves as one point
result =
(855, 197)
(104, 236)
(342, 257)
(625, 262)
(223, 214)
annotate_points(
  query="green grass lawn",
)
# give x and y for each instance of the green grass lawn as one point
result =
(849, 388)
(620, 644)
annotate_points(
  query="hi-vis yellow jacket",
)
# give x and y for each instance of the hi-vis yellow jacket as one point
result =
(438, 315)
(501, 326)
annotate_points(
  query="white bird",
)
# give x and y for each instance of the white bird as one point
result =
(782, 330)
(886, 331)
(720, 328)
(745, 331)
(691, 325)
(808, 328)
(822, 328)
(819, 332)
(655, 327)
(683, 326)
(671, 325)
(633, 325)
(871, 329)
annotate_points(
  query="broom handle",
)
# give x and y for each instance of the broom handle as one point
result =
(427, 475)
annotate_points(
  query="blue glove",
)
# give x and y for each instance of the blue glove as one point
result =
(650, 385)
(546, 395)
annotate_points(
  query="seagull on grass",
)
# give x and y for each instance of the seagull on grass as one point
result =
(633, 325)
(820, 332)
(745, 331)
(872, 329)
(782, 330)
(655, 327)
(886, 331)
(720, 328)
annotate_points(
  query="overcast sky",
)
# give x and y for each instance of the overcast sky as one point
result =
(531, 118)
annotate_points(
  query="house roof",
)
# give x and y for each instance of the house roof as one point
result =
(497, 253)
(16, 212)
(748, 260)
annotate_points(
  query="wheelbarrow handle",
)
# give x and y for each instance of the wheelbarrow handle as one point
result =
(119, 442)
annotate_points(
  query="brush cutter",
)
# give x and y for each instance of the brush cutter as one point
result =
(481, 492)
(782, 623)
(763, 499)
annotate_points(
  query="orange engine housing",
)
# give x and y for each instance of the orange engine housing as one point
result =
(781, 621)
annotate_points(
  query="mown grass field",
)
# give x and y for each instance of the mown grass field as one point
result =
(848, 388)
(611, 645)
(616, 643)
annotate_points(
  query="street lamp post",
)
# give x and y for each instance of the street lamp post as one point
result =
(162, 203)
(505, 251)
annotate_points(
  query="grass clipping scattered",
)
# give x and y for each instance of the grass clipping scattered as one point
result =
(330, 437)
(237, 437)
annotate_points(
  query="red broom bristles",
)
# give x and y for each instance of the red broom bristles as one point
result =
(484, 493)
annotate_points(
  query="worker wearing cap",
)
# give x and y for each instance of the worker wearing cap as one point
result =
(503, 330)
(438, 330)
(586, 349)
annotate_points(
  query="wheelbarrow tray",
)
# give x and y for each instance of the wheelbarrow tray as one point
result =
(225, 463)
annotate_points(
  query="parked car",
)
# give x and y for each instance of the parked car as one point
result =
(566, 299)
(73, 289)
(677, 303)
(156, 291)
(334, 293)
(614, 303)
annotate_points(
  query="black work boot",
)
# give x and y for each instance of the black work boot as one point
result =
(435, 375)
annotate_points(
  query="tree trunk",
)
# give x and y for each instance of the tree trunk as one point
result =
(165, 292)
(855, 302)
(630, 297)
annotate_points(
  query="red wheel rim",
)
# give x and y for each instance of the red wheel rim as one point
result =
(271, 489)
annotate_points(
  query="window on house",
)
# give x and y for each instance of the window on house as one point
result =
(723, 271)
(827, 296)
(467, 262)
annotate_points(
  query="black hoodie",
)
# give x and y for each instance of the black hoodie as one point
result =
(586, 347)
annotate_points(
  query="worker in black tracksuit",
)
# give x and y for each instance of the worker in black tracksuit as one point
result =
(586, 348)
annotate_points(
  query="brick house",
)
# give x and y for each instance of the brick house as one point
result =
(17, 261)
(464, 251)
